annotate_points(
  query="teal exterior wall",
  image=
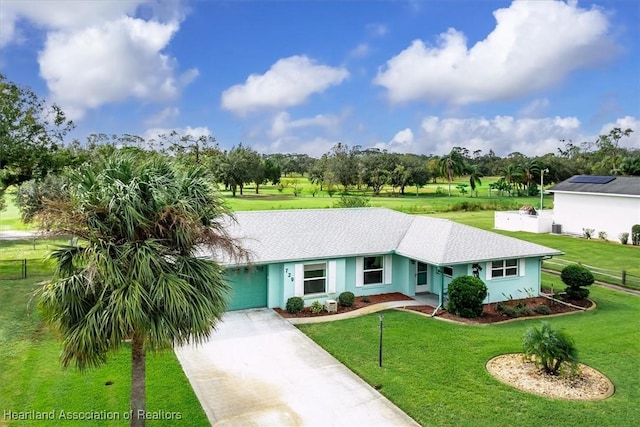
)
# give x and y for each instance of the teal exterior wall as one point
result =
(280, 281)
(517, 287)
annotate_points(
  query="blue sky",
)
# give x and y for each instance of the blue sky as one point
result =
(416, 76)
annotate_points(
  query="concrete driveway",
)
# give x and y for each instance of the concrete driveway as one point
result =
(259, 370)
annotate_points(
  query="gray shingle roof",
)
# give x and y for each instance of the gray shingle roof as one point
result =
(623, 185)
(291, 235)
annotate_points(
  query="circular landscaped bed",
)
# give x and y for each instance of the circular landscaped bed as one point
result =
(516, 371)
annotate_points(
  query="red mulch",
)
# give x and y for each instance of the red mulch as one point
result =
(358, 303)
(490, 315)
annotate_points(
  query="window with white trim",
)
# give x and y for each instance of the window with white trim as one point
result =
(504, 268)
(315, 278)
(373, 270)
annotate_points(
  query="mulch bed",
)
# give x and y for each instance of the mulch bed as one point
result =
(491, 315)
(358, 303)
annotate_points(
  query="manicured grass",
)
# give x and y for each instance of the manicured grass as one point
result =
(431, 198)
(435, 370)
(32, 378)
(10, 215)
(34, 251)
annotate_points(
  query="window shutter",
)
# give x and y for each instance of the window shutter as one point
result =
(331, 276)
(488, 273)
(299, 280)
(521, 263)
(359, 271)
(387, 263)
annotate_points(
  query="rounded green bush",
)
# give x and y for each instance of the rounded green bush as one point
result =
(576, 275)
(294, 305)
(466, 294)
(346, 299)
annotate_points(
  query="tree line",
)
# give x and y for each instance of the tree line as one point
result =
(33, 153)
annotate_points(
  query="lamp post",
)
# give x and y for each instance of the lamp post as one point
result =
(542, 171)
(380, 317)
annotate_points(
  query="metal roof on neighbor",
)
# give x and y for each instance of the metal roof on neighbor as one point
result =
(306, 234)
(622, 185)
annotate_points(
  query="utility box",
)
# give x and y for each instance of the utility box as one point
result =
(556, 228)
(331, 306)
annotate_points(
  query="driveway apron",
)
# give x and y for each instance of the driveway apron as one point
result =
(259, 370)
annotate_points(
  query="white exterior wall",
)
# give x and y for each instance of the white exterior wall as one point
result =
(515, 221)
(602, 212)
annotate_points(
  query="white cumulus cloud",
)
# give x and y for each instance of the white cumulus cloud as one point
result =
(110, 62)
(282, 123)
(59, 14)
(534, 45)
(290, 81)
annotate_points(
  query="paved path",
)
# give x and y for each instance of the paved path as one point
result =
(259, 370)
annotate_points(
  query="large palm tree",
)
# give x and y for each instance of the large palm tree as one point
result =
(452, 165)
(134, 275)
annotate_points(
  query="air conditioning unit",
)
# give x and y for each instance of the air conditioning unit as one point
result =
(556, 228)
(331, 306)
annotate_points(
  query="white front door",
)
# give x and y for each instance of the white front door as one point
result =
(422, 277)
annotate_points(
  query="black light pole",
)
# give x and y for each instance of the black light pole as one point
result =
(380, 317)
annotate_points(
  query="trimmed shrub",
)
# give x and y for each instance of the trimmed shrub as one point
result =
(542, 309)
(635, 235)
(576, 277)
(466, 294)
(588, 232)
(294, 305)
(602, 235)
(346, 299)
(352, 202)
(550, 349)
(624, 238)
(316, 307)
(365, 299)
(576, 293)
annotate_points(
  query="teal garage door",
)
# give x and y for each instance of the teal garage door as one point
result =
(249, 288)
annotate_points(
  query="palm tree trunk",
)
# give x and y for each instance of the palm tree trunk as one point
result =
(138, 395)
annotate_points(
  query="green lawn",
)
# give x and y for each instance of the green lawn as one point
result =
(435, 370)
(33, 380)
(10, 215)
(33, 252)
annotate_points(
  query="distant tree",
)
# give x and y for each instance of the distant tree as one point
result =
(433, 168)
(609, 146)
(135, 277)
(272, 171)
(474, 176)
(343, 164)
(31, 130)
(452, 165)
(318, 171)
(630, 166)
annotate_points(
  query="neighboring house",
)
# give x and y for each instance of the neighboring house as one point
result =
(602, 203)
(318, 253)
